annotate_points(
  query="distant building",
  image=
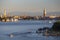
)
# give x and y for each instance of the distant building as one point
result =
(44, 12)
(52, 16)
(6, 18)
(5, 13)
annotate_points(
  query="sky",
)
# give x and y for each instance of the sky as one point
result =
(30, 5)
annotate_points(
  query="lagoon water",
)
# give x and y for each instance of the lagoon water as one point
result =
(21, 28)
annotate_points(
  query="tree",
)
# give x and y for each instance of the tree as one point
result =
(56, 26)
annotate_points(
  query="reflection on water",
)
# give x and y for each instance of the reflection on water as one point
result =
(25, 30)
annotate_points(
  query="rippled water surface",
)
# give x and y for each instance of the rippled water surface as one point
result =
(22, 28)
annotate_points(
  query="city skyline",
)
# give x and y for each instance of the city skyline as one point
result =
(29, 5)
(44, 13)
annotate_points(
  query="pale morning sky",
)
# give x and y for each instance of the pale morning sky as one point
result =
(30, 5)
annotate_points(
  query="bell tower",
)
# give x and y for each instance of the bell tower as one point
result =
(44, 12)
(5, 13)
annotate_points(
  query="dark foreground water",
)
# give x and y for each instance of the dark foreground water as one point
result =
(21, 28)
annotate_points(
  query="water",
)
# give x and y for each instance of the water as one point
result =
(22, 28)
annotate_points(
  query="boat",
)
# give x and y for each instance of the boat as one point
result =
(11, 35)
(50, 21)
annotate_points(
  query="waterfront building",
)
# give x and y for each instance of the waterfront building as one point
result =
(52, 16)
(6, 18)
